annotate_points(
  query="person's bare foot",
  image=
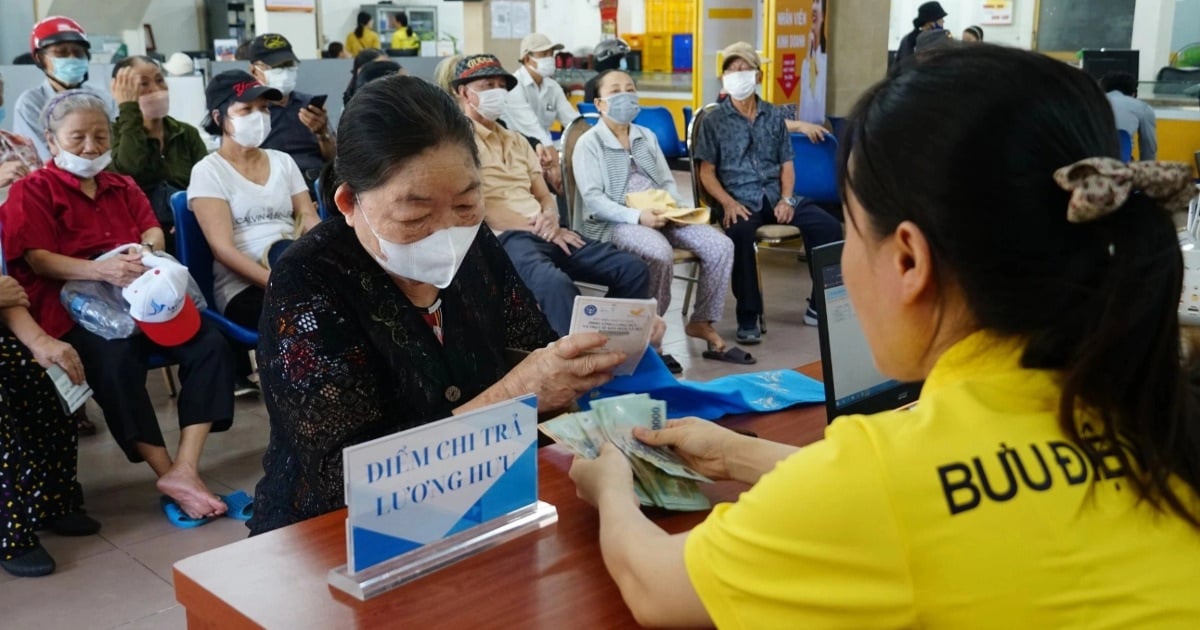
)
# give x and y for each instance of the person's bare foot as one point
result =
(706, 332)
(182, 483)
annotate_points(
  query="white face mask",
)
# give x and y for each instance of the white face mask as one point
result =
(491, 103)
(250, 130)
(739, 85)
(544, 66)
(81, 166)
(434, 259)
(282, 79)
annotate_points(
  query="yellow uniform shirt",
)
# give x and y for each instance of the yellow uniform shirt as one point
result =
(507, 167)
(355, 44)
(970, 511)
(401, 40)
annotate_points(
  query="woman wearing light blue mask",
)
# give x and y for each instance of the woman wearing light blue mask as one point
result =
(61, 49)
(399, 310)
(616, 159)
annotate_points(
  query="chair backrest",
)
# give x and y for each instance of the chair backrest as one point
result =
(816, 168)
(322, 211)
(1126, 141)
(587, 108)
(837, 124)
(570, 136)
(191, 245)
(699, 196)
(662, 123)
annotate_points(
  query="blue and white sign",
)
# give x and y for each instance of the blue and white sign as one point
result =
(419, 486)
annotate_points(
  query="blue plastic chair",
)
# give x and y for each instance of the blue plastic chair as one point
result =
(587, 108)
(837, 124)
(195, 254)
(816, 168)
(1126, 142)
(322, 211)
(662, 123)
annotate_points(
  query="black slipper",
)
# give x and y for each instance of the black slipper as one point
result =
(74, 524)
(672, 365)
(33, 563)
(732, 354)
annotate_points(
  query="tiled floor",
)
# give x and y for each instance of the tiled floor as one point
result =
(122, 577)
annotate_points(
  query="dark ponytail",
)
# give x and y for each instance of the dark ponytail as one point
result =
(1095, 301)
(364, 19)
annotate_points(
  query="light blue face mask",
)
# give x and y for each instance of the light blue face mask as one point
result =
(623, 107)
(70, 71)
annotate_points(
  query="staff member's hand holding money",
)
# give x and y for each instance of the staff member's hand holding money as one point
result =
(609, 474)
(717, 452)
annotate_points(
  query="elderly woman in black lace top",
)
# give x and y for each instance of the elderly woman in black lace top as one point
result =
(401, 311)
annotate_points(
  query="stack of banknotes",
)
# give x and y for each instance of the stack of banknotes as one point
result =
(661, 478)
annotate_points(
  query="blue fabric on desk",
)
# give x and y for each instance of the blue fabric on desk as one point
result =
(738, 393)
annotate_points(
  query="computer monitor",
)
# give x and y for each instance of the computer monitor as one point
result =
(853, 385)
(1098, 62)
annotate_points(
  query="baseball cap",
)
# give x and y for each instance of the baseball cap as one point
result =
(159, 303)
(537, 42)
(741, 50)
(475, 67)
(233, 85)
(271, 49)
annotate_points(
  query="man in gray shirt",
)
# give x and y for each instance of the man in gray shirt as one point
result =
(745, 155)
(1133, 116)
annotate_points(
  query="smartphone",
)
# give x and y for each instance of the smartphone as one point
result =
(318, 101)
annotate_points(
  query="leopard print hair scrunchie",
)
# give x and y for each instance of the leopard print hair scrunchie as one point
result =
(1099, 186)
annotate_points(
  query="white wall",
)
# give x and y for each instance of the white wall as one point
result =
(1152, 22)
(178, 25)
(964, 13)
(14, 29)
(1187, 24)
(298, 27)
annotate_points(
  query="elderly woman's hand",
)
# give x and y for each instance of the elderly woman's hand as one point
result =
(11, 293)
(120, 270)
(11, 171)
(563, 370)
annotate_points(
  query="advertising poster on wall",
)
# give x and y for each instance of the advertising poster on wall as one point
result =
(799, 51)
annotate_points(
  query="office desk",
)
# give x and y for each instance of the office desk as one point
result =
(554, 578)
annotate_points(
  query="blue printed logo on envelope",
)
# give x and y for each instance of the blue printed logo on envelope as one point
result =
(416, 487)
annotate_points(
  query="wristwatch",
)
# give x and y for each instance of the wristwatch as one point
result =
(792, 201)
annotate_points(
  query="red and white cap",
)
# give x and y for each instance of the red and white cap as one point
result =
(159, 303)
(54, 30)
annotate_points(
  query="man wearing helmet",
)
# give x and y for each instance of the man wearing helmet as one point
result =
(61, 49)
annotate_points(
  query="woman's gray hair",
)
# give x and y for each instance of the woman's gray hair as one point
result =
(69, 102)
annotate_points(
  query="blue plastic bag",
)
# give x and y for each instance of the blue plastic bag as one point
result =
(756, 392)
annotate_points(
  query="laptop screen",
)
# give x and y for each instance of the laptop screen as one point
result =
(852, 382)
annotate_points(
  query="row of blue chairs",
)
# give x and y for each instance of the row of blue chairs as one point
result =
(661, 122)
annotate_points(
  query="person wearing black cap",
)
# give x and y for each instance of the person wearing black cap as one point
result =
(297, 128)
(930, 16)
(248, 201)
(522, 211)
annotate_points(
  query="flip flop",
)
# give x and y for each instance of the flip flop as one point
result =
(673, 365)
(732, 354)
(240, 504)
(178, 517)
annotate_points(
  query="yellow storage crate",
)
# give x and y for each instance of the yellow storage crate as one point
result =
(634, 40)
(656, 16)
(656, 53)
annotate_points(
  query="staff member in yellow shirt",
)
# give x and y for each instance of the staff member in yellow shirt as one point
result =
(1048, 477)
(404, 38)
(363, 36)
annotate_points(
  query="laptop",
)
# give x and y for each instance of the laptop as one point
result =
(853, 385)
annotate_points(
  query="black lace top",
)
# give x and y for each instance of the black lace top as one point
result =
(344, 358)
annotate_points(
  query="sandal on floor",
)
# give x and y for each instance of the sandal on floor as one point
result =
(178, 517)
(240, 504)
(672, 365)
(732, 354)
